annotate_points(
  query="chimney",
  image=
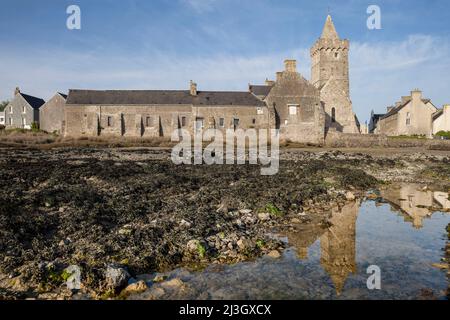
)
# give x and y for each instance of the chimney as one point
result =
(388, 109)
(193, 88)
(290, 65)
(270, 83)
(279, 75)
(17, 91)
(416, 95)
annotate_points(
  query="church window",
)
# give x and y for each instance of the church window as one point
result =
(109, 121)
(183, 121)
(333, 115)
(221, 122)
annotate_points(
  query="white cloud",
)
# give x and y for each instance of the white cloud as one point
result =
(201, 6)
(380, 72)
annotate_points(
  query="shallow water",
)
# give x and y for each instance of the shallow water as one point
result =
(396, 235)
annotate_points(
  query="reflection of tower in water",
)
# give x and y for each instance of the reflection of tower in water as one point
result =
(338, 245)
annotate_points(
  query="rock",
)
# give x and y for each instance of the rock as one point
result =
(264, 216)
(137, 287)
(442, 266)
(185, 224)
(245, 211)
(173, 284)
(116, 277)
(274, 254)
(243, 243)
(295, 220)
(193, 245)
(62, 209)
(159, 278)
(350, 196)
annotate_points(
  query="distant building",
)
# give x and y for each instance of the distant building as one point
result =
(22, 111)
(410, 116)
(441, 120)
(2, 118)
(52, 114)
(373, 123)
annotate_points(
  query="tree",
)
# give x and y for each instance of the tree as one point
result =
(3, 105)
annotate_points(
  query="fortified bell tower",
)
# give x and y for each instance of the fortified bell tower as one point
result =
(330, 74)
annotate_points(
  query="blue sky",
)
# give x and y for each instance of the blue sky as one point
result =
(222, 45)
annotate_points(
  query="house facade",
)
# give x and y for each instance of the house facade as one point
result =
(441, 120)
(51, 114)
(2, 118)
(410, 116)
(22, 111)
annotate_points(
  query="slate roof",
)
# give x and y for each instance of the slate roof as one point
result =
(398, 108)
(260, 90)
(34, 102)
(438, 114)
(162, 97)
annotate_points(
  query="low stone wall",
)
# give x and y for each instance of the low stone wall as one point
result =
(350, 140)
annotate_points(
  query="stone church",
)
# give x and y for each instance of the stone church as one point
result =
(304, 111)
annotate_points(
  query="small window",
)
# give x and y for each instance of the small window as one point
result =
(292, 110)
(259, 111)
(221, 122)
(333, 115)
(109, 121)
(24, 109)
(149, 122)
(336, 55)
(10, 121)
(235, 123)
(10, 109)
(408, 118)
(253, 121)
(183, 121)
(285, 122)
(24, 121)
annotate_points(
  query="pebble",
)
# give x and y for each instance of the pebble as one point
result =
(275, 254)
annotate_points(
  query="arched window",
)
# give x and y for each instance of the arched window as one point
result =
(333, 115)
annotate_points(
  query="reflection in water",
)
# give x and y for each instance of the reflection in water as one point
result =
(337, 244)
(330, 262)
(415, 203)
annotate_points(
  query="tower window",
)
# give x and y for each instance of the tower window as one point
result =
(336, 55)
(333, 115)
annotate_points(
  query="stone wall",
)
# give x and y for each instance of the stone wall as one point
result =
(159, 120)
(52, 115)
(347, 140)
(298, 111)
